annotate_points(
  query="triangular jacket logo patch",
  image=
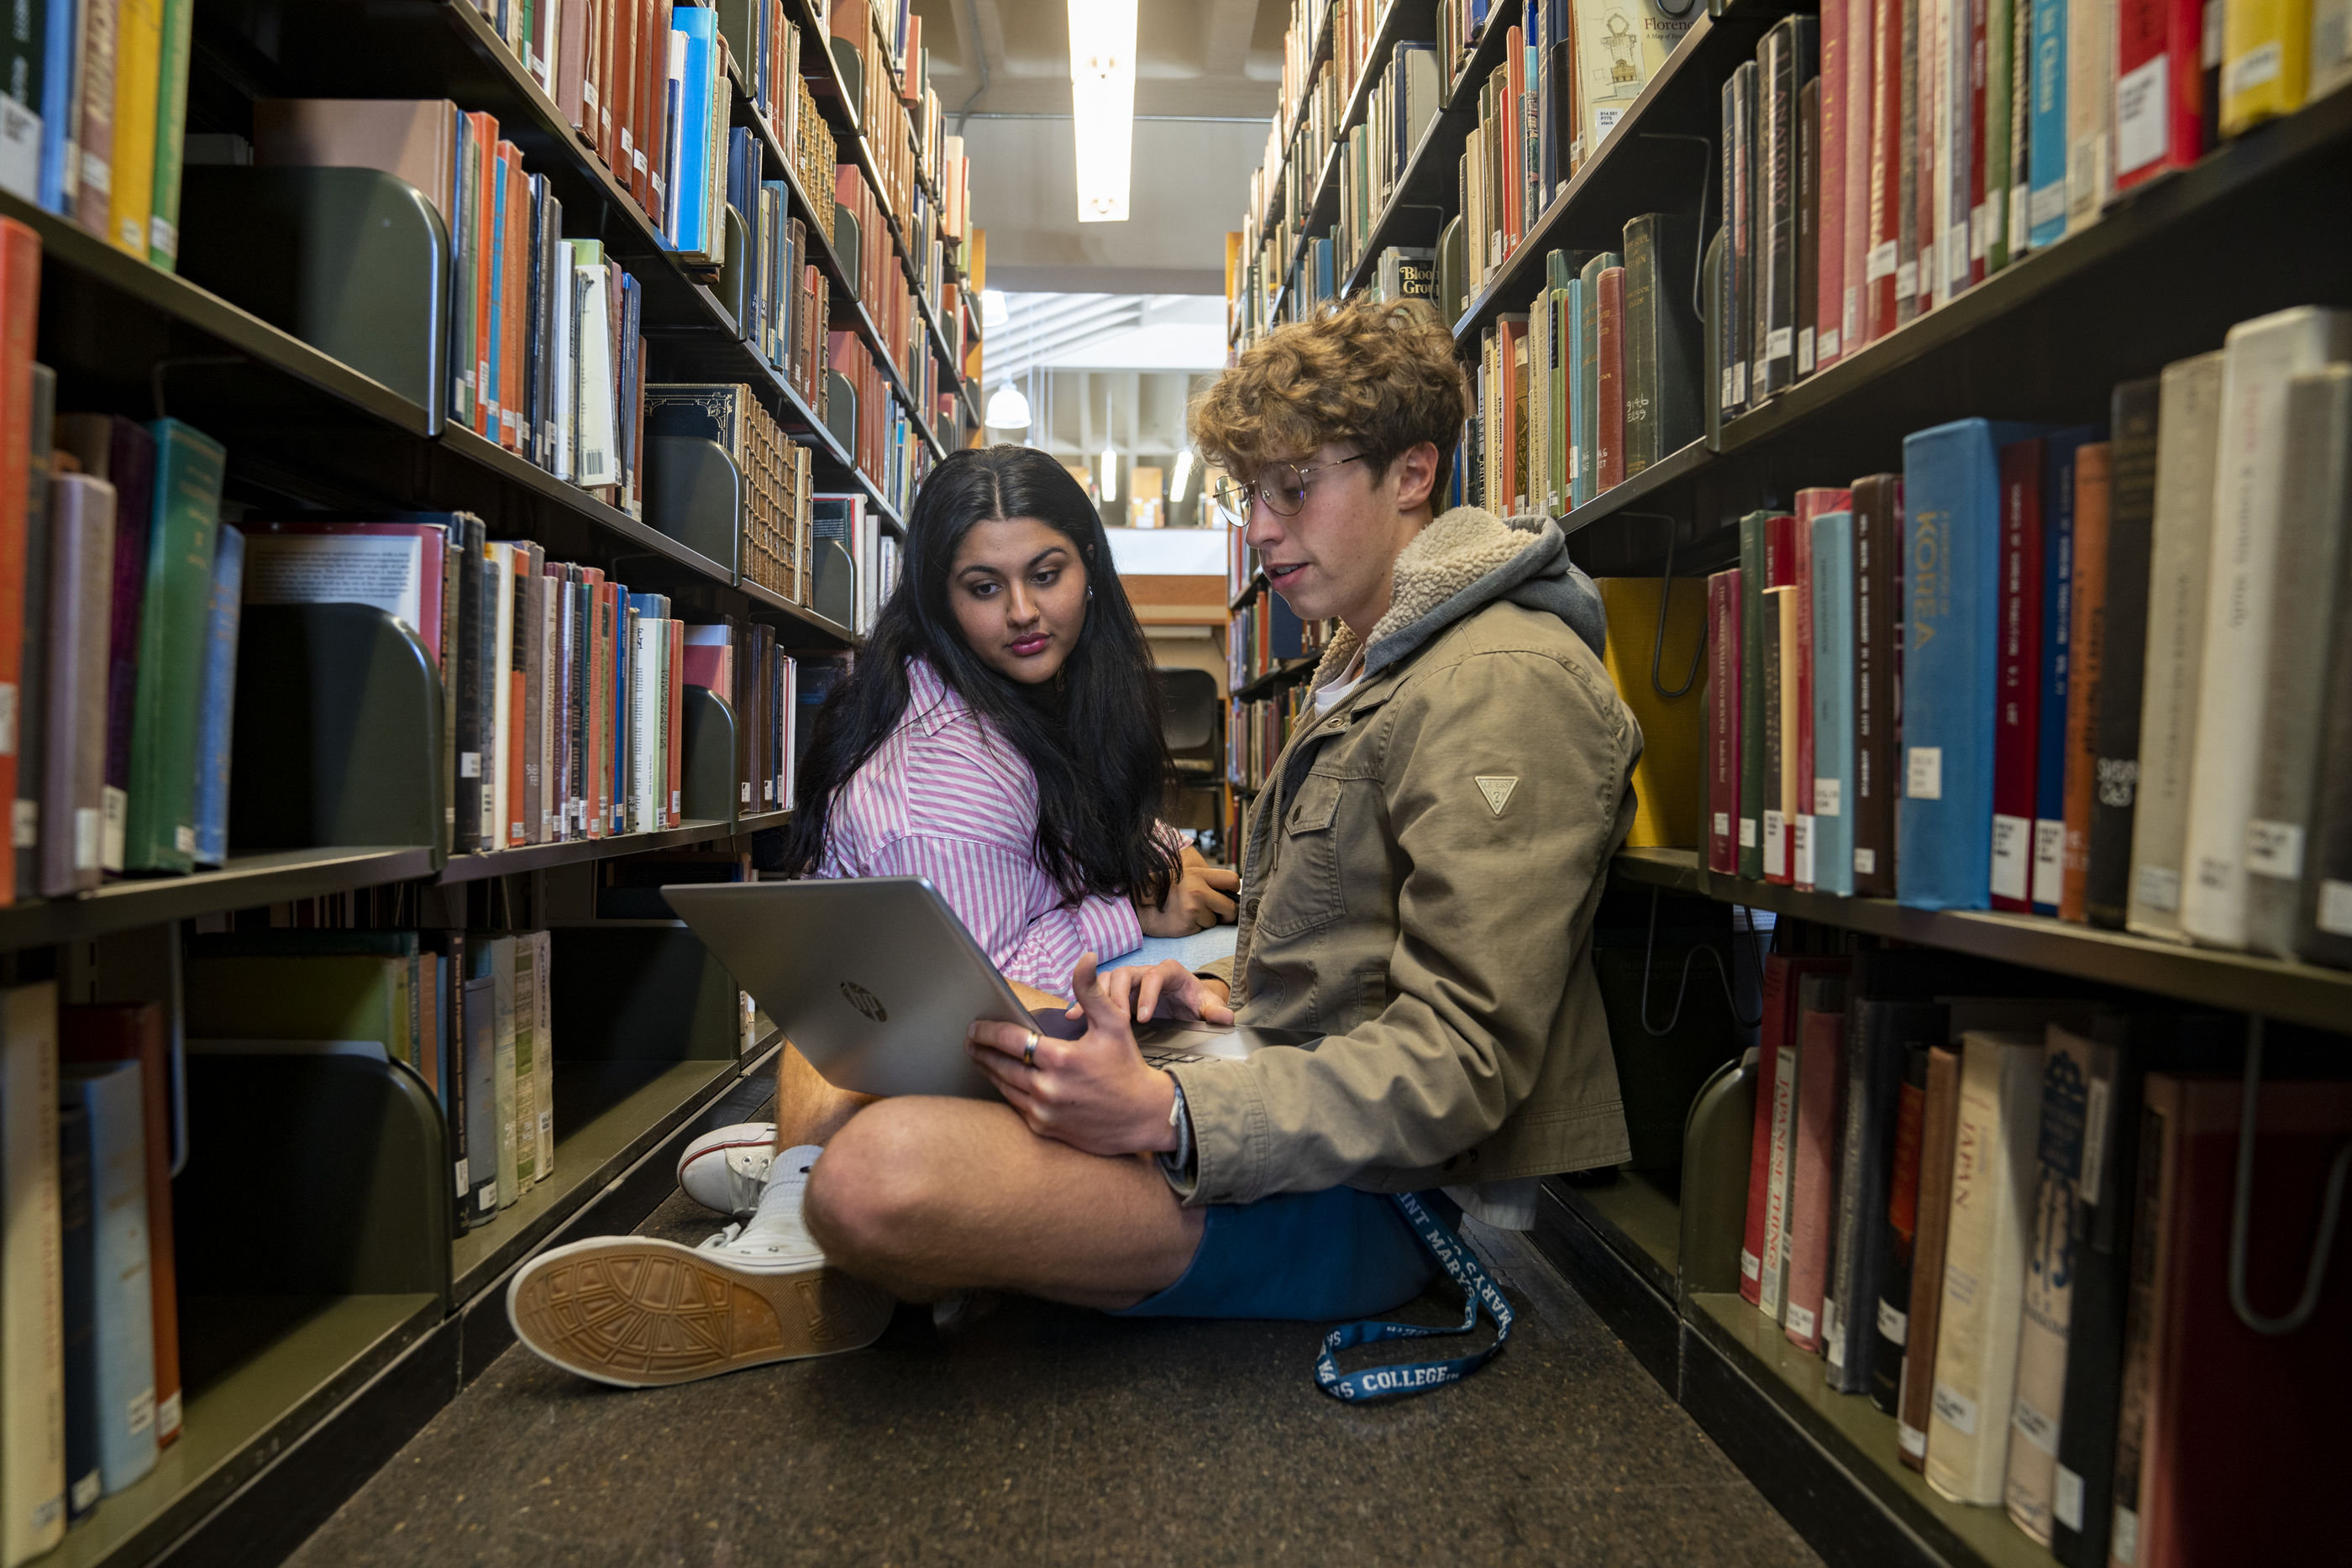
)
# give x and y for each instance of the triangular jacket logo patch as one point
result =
(1496, 787)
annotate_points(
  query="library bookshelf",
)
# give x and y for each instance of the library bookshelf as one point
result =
(2250, 227)
(296, 1392)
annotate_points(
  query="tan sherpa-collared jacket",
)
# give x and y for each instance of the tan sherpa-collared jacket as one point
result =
(1418, 886)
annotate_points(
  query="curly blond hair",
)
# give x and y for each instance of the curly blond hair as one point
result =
(1381, 377)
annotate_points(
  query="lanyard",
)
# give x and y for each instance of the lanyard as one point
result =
(1420, 1376)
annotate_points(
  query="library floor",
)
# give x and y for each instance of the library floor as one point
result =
(1043, 1434)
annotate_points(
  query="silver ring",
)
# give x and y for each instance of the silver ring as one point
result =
(1029, 1051)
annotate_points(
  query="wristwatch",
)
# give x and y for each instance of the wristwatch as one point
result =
(1180, 1164)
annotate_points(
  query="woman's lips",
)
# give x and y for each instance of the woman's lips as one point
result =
(1033, 644)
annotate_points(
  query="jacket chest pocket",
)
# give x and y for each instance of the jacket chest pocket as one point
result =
(1302, 888)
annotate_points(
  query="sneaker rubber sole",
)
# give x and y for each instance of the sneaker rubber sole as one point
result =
(638, 1313)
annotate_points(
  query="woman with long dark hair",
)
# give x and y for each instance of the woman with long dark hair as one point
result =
(1000, 735)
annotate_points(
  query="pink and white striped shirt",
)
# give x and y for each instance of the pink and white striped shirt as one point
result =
(947, 797)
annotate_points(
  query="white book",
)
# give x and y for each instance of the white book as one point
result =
(1777, 1170)
(2189, 437)
(2312, 528)
(1994, 1169)
(2258, 358)
(599, 445)
(2090, 92)
(503, 719)
(502, 1063)
(32, 1280)
(544, 1055)
(644, 726)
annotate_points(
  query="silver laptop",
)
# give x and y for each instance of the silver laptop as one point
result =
(876, 981)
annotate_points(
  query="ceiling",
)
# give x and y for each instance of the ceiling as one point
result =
(1208, 73)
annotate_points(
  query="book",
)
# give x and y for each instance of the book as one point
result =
(2071, 1065)
(122, 452)
(33, 668)
(2180, 542)
(20, 282)
(1661, 339)
(499, 955)
(2308, 604)
(83, 563)
(528, 1109)
(1830, 182)
(1725, 640)
(1984, 1263)
(84, 1482)
(2090, 89)
(1821, 1079)
(479, 1020)
(1798, 788)
(2048, 119)
(2259, 359)
(1944, 823)
(1939, 1124)
(175, 46)
(32, 1285)
(1877, 678)
(2019, 664)
(216, 698)
(1885, 1031)
(1765, 1234)
(2058, 490)
(1745, 230)
(2324, 922)
(1901, 1229)
(2265, 61)
(91, 159)
(122, 1298)
(2114, 723)
(1667, 810)
(1609, 380)
(138, 63)
(1783, 64)
(1832, 830)
(2235, 1459)
(1889, 114)
(1780, 621)
(175, 611)
(1753, 531)
(2088, 640)
(2158, 87)
(1808, 215)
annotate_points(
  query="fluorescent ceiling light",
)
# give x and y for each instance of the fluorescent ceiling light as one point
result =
(1184, 476)
(1102, 104)
(1109, 475)
(1008, 409)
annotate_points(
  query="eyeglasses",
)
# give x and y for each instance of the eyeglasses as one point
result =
(1281, 486)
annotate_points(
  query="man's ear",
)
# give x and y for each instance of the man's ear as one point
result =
(1416, 476)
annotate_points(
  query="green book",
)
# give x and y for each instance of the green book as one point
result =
(1588, 373)
(1999, 84)
(1752, 531)
(353, 996)
(170, 133)
(174, 612)
(1560, 306)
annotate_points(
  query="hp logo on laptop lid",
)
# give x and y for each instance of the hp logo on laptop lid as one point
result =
(865, 1001)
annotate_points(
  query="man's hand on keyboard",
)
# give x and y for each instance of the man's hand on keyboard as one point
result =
(1095, 1092)
(1168, 990)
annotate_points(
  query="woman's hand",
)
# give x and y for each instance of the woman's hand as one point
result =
(1165, 989)
(1199, 896)
(1094, 1092)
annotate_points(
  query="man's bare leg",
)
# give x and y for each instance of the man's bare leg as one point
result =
(809, 1108)
(926, 1196)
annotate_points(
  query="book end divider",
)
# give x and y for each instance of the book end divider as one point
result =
(695, 493)
(354, 262)
(708, 789)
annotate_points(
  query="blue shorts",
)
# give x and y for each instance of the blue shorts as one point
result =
(1315, 1255)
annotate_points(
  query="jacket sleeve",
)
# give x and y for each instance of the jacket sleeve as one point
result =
(991, 889)
(1491, 903)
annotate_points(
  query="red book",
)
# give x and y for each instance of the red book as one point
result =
(1811, 504)
(2159, 108)
(2017, 677)
(1723, 739)
(1821, 1035)
(1829, 221)
(2089, 655)
(1781, 789)
(20, 302)
(628, 80)
(136, 1032)
(1772, 1103)
(1608, 431)
(1886, 169)
(515, 320)
(2244, 1445)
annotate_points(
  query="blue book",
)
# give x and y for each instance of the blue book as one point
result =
(689, 158)
(59, 60)
(624, 680)
(2045, 203)
(1943, 827)
(2057, 634)
(123, 1310)
(215, 698)
(1834, 793)
(80, 1238)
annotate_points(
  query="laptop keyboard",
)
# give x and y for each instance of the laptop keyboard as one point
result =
(1165, 1057)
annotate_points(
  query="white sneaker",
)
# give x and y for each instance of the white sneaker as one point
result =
(639, 1312)
(725, 1170)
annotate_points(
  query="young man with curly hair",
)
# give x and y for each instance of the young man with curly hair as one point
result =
(1418, 889)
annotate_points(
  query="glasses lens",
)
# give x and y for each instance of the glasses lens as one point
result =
(1285, 491)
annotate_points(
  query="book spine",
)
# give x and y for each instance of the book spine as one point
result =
(1747, 229)
(1797, 690)
(1996, 39)
(2046, 162)
(1769, 1092)
(1913, 175)
(1777, 615)
(1809, 217)
(176, 41)
(1752, 602)
(1723, 698)
(123, 1298)
(2265, 61)
(174, 616)
(1833, 703)
(1641, 371)
(216, 704)
(1609, 435)
(94, 88)
(2017, 726)
(1836, 137)
(2131, 517)
(1877, 574)
(1883, 236)
(2098, 1283)
(1784, 1048)
(20, 282)
(33, 1349)
(2048, 876)
(33, 668)
(1940, 1123)
(2089, 639)
(1821, 1077)
(2144, 1311)
(2090, 46)
(130, 195)
(1772, 343)
(1899, 1234)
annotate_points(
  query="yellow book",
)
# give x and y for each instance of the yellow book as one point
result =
(2265, 61)
(1670, 779)
(138, 69)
